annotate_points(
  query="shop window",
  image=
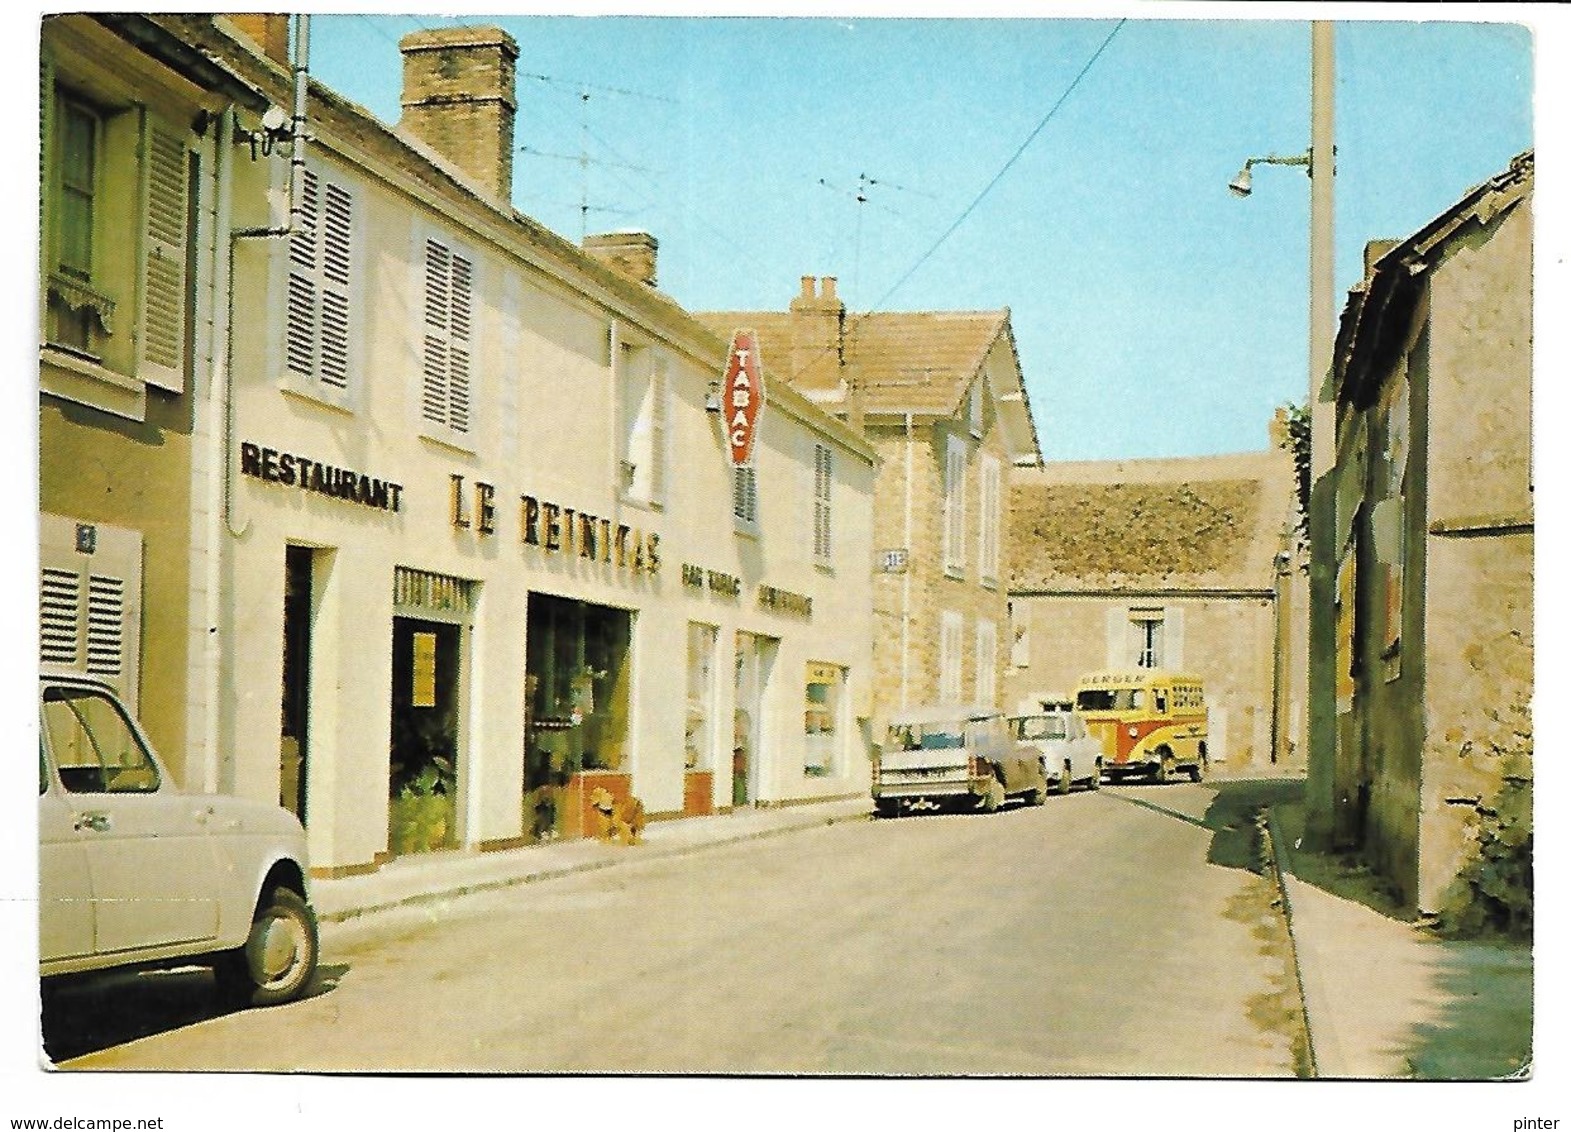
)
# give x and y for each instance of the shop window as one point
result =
(423, 760)
(821, 718)
(700, 743)
(321, 262)
(578, 687)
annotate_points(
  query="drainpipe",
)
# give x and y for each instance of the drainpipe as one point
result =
(297, 140)
(221, 777)
(905, 580)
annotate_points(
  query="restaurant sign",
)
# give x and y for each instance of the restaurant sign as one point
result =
(742, 397)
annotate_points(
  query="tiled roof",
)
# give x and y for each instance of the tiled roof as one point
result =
(1200, 523)
(921, 361)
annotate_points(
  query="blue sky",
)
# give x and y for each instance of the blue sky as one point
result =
(1155, 313)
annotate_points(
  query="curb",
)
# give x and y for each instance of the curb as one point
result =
(554, 872)
(1273, 839)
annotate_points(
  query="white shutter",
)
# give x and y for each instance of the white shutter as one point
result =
(1173, 628)
(338, 219)
(986, 663)
(90, 587)
(161, 342)
(988, 521)
(461, 331)
(301, 302)
(438, 304)
(822, 515)
(954, 504)
(316, 329)
(658, 411)
(1118, 638)
(951, 630)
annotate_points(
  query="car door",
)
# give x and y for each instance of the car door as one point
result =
(152, 865)
(65, 891)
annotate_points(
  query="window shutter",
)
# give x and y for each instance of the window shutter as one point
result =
(461, 331)
(823, 479)
(164, 248)
(658, 394)
(438, 302)
(338, 215)
(954, 504)
(300, 318)
(90, 600)
(316, 332)
(449, 309)
(1118, 631)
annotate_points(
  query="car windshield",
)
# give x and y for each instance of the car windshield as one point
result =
(927, 736)
(1111, 699)
(1041, 727)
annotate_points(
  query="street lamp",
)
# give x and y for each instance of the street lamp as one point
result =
(1243, 184)
(1320, 164)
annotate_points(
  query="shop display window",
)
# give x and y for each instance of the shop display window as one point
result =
(825, 687)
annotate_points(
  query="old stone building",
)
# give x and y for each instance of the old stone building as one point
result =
(1187, 564)
(1434, 550)
(939, 395)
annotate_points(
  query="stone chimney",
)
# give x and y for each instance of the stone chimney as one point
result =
(817, 335)
(459, 99)
(633, 254)
(268, 30)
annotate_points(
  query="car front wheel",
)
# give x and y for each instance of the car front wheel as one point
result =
(279, 956)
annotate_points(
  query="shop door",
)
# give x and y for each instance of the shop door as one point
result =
(294, 742)
(754, 660)
(423, 755)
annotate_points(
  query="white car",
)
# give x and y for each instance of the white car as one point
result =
(1069, 754)
(133, 872)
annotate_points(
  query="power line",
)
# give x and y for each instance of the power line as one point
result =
(1008, 165)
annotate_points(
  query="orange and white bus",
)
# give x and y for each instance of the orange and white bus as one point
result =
(1150, 722)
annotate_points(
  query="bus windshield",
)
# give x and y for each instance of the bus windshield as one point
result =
(1111, 699)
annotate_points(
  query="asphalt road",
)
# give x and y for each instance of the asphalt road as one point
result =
(1122, 932)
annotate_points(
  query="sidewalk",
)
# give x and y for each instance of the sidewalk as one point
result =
(408, 881)
(1386, 999)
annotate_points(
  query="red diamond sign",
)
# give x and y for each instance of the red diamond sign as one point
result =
(742, 397)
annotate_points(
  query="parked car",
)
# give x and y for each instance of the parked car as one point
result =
(936, 758)
(1068, 753)
(135, 872)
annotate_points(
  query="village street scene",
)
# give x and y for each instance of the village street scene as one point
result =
(584, 553)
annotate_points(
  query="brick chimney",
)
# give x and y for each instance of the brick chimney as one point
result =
(633, 254)
(817, 335)
(459, 99)
(268, 30)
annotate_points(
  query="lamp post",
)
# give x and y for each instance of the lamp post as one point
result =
(1319, 162)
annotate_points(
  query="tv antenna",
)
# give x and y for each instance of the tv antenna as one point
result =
(864, 183)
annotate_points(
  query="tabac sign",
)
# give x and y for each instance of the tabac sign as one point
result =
(742, 397)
